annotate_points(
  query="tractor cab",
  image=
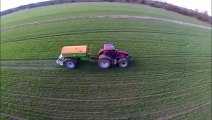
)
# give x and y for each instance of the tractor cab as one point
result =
(109, 50)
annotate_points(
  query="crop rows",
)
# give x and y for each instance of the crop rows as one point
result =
(169, 76)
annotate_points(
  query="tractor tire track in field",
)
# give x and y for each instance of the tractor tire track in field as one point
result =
(97, 107)
(111, 104)
(102, 83)
(30, 59)
(101, 100)
(159, 98)
(11, 117)
(28, 67)
(42, 59)
(187, 108)
(99, 31)
(48, 66)
(186, 111)
(136, 114)
(50, 62)
(102, 17)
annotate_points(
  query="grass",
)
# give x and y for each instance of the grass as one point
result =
(169, 76)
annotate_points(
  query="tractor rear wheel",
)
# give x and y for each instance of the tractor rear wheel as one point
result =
(70, 63)
(104, 63)
(123, 63)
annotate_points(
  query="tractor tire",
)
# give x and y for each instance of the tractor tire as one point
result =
(70, 63)
(123, 63)
(104, 63)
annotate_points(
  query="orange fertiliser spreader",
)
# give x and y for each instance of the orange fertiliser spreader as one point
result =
(74, 49)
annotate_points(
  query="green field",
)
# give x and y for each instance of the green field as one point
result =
(169, 76)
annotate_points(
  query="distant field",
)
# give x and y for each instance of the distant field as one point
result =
(90, 9)
(169, 76)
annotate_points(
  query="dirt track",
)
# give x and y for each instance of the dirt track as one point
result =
(102, 17)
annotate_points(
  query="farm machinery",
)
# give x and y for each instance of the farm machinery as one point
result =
(107, 56)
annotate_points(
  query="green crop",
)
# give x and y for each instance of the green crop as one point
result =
(169, 76)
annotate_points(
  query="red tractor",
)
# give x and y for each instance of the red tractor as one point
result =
(107, 56)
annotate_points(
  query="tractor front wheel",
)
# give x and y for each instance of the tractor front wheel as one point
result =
(104, 63)
(123, 63)
(70, 63)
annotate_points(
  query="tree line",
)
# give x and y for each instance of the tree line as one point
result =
(203, 16)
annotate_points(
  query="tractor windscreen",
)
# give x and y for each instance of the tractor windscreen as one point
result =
(109, 47)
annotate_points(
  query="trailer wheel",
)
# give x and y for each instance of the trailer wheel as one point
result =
(123, 63)
(104, 63)
(70, 63)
